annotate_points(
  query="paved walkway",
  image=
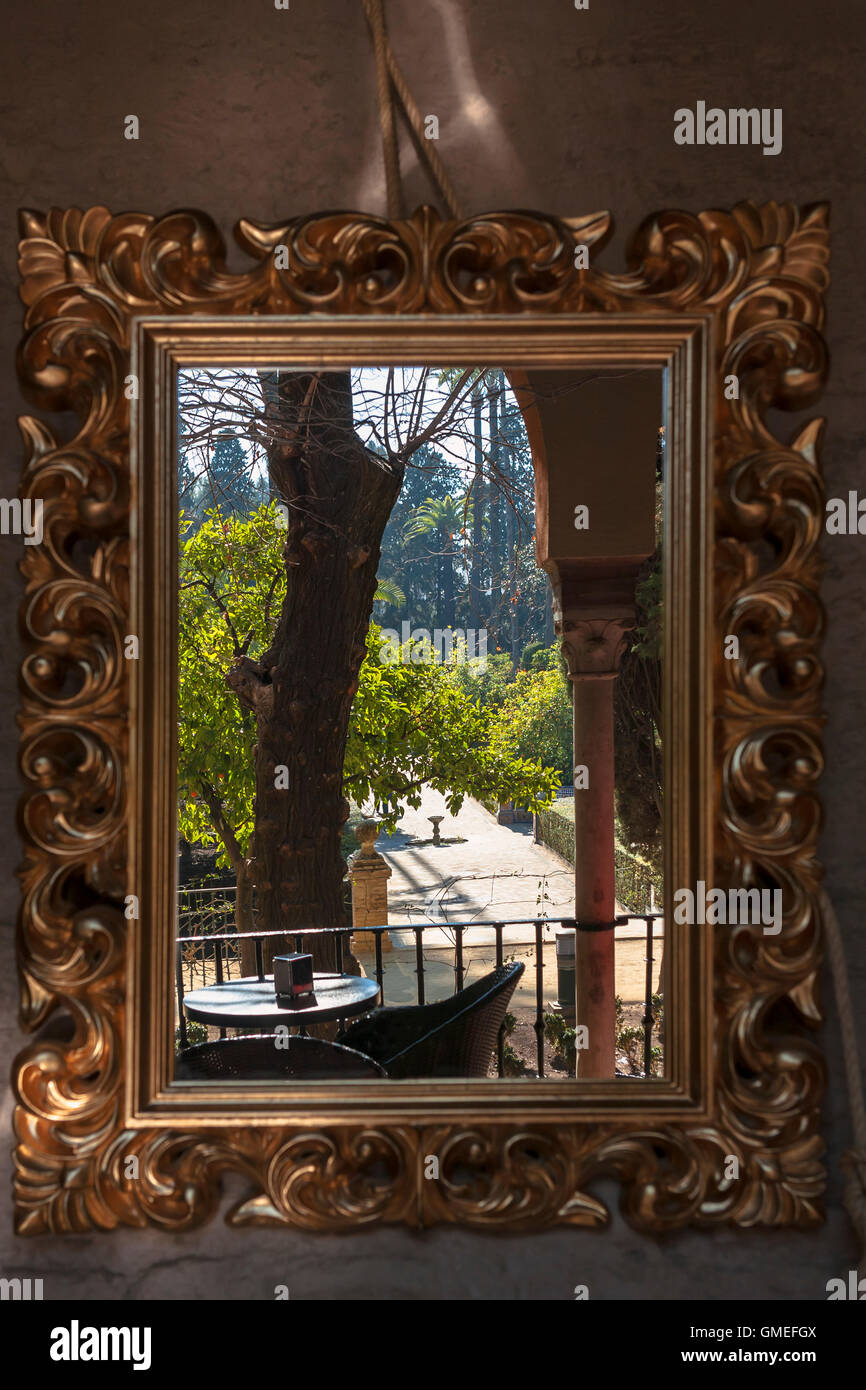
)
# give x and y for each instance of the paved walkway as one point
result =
(482, 870)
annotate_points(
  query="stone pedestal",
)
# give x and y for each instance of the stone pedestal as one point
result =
(368, 874)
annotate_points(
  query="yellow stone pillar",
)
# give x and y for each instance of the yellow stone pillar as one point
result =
(368, 874)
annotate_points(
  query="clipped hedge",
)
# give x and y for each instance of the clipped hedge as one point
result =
(633, 873)
(556, 828)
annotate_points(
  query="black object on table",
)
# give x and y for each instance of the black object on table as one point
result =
(252, 1003)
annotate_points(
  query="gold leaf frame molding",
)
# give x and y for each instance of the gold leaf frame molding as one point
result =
(97, 1148)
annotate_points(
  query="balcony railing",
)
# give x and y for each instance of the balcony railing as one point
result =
(215, 956)
(205, 910)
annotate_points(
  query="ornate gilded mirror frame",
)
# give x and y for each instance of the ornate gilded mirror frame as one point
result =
(732, 303)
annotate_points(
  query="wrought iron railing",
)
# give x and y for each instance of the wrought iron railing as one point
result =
(637, 881)
(649, 919)
(204, 911)
(217, 956)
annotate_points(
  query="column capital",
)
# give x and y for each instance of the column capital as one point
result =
(593, 646)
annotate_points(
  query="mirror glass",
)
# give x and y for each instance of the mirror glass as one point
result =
(396, 787)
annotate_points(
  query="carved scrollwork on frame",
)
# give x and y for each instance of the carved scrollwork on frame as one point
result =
(760, 272)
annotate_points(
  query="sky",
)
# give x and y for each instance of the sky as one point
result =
(368, 386)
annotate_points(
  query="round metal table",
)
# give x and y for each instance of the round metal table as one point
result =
(251, 1002)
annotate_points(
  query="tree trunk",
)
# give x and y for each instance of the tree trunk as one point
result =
(511, 586)
(549, 628)
(448, 611)
(495, 383)
(242, 871)
(339, 499)
(475, 573)
(244, 921)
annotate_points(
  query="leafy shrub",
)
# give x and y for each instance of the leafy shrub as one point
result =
(630, 1039)
(195, 1033)
(561, 1038)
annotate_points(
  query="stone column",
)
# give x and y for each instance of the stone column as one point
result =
(368, 874)
(592, 647)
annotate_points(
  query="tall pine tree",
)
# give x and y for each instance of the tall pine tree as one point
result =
(227, 483)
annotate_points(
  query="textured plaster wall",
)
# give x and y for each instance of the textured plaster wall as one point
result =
(249, 110)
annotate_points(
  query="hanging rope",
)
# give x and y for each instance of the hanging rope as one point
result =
(390, 82)
(385, 98)
(854, 1159)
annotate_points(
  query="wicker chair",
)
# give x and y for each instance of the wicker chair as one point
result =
(454, 1037)
(255, 1058)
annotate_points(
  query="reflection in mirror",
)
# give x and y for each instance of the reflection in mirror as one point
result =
(419, 634)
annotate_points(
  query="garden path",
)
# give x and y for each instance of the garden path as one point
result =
(482, 870)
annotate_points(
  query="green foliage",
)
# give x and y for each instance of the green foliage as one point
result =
(531, 715)
(561, 1038)
(231, 585)
(630, 1038)
(411, 722)
(487, 684)
(227, 483)
(530, 652)
(349, 841)
(555, 826)
(195, 1033)
(637, 707)
(647, 635)
(388, 591)
(410, 561)
(446, 515)
(511, 1062)
(441, 520)
(534, 720)
(526, 589)
(432, 539)
(634, 873)
(414, 723)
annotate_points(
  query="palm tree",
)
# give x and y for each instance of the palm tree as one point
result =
(388, 592)
(445, 517)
